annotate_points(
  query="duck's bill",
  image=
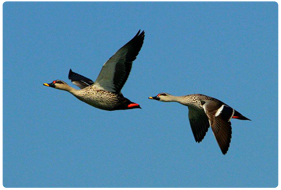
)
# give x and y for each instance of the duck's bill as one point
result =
(49, 84)
(154, 97)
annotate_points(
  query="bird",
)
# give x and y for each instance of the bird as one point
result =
(105, 93)
(205, 111)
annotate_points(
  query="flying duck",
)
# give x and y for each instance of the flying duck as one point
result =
(205, 111)
(105, 92)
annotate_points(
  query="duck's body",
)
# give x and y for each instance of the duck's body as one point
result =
(105, 92)
(205, 111)
(104, 100)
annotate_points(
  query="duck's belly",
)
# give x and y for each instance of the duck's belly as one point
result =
(100, 99)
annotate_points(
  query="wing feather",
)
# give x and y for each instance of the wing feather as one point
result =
(116, 70)
(199, 123)
(222, 132)
(79, 80)
(220, 124)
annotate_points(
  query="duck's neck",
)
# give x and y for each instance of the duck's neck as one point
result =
(69, 89)
(72, 90)
(184, 100)
(179, 99)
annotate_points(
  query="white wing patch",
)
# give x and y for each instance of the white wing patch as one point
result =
(219, 111)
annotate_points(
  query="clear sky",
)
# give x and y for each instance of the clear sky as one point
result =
(225, 50)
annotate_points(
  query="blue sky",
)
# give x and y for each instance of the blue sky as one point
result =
(225, 50)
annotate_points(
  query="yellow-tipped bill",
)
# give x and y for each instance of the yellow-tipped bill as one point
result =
(46, 84)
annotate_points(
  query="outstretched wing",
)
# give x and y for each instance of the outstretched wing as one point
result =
(116, 70)
(219, 117)
(79, 80)
(199, 122)
(222, 131)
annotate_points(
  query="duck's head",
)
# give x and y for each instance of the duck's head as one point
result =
(58, 84)
(163, 97)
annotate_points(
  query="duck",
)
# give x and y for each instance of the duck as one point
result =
(205, 111)
(105, 93)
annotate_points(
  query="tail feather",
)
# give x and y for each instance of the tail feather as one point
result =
(238, 115)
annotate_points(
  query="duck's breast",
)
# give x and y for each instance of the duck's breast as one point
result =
(98, 98)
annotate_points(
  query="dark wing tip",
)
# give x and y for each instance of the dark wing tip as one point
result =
(140, 35)
(199, 128)
(70, 73)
